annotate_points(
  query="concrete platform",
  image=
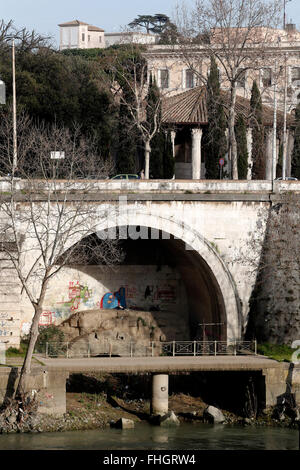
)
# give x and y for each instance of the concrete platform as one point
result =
(162, 364)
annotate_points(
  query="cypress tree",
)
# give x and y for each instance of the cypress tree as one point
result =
(295, 169)
(157, 156)
(258, 146)
(215, 140)
(127, 144)
(169, 164)
(242, 151)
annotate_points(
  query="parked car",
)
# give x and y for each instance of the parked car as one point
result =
(289, 178)
(126, 177)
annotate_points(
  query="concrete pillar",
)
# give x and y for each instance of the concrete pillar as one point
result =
(269, 154)
(249, 149)
(290, 148)
(196, 153)
(160, 394)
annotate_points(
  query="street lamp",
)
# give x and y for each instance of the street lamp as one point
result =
(15, 154)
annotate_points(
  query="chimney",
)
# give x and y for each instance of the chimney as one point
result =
(290, 27)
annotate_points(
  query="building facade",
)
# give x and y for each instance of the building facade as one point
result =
(79, 35)
(178, 68)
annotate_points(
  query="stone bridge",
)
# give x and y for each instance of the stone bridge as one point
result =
(189, 258)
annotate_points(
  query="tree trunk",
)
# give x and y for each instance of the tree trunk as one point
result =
(34, 331)
(232, 139)
(147, 159)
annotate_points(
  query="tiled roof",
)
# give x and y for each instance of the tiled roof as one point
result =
(73, 23)
(187, 107)
(190, 107)
(95, 28)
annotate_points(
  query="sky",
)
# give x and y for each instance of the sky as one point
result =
(44, 15)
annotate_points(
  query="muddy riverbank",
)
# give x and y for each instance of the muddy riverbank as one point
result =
(98, 401)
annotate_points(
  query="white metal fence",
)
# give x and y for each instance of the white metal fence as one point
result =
(154, 348)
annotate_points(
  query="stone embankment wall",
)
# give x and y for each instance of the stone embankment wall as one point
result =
(280, 382)
(49, 387)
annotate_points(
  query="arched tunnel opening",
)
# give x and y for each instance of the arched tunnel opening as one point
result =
(155, 273)
(178, 281)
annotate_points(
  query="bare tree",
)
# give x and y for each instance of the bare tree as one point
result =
(129, 80)
(236, 33)
(26, 41)
(42, 217)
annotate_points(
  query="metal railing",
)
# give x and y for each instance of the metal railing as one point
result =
(154, 348)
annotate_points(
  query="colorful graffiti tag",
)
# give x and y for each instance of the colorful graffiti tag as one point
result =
(77, 294)
(111, 301)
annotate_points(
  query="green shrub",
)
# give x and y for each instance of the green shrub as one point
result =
(279, 352)
(48, 334)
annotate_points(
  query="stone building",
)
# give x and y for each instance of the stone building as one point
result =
(79, 35)
(178, 68)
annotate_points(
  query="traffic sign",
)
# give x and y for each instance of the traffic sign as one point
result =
(221, 161)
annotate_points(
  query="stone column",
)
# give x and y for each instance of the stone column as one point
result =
(249, 149)
(227, 155)
(160, 394)
(173, 135)
(269, 154)
(290, 148)
(196, 153)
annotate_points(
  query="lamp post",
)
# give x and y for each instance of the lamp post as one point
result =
(15, 154)
(274, 152)
(284, 152)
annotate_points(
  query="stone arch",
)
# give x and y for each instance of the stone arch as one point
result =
(194, 241)
(140, 215)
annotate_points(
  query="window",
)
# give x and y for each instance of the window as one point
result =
(100, 39)
(83, 37)
(266, 77)
(189, 79)
(296, 76)
(89, 38)
(164, 78)
(241, 78)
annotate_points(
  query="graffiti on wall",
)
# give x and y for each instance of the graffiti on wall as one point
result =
(114, 300)
(46, 318)
(164, 293)
(78, 294)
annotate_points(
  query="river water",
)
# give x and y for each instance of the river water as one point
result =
(146, 437)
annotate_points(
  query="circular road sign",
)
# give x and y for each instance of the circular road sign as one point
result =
(221, 161)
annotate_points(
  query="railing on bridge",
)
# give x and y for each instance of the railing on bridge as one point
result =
(154, 349)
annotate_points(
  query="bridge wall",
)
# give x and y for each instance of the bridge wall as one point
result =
(219, 231)
(217, 220)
